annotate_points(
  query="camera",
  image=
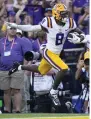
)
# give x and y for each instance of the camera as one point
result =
(31, 55)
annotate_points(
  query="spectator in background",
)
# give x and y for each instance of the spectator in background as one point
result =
(10, 18)
(9, 5)
(48, 12)
(78, 8)
(68, 3)
(27, 75)
(86, 48)
(12, 49)
(83, 21)
(41, 39)
(1, 33)
(2, 16)
(2, 7)
(36, 10)
(50, 3)
(20, 14)
(82, 74)
(27, 19)
(19, 33)
(19, 3)
(80, 63)
(13, 16)
(25, 89)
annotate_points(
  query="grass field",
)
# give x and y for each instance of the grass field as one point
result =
(43, 116)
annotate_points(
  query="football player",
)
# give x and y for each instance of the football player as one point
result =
(57, 28)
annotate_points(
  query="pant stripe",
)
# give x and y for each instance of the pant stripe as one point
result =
(50, 61)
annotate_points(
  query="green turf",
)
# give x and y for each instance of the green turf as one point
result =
(37, 115)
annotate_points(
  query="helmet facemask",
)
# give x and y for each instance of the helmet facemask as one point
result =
(63, 17)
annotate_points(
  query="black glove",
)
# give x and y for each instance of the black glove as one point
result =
(14, 68)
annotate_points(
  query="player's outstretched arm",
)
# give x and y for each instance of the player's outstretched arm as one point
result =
(26, 28)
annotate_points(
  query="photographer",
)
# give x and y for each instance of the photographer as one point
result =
(82, 74)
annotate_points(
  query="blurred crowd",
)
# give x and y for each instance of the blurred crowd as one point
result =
(32, 12)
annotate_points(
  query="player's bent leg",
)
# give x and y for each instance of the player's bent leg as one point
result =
(56, 62)
(32, 68)
(17, 67)
(59, 77)
(43, 68)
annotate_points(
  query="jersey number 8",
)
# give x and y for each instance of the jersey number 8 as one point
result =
(59, 38)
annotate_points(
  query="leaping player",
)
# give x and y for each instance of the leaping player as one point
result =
(57, 28)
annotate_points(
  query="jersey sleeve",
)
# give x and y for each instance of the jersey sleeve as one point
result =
(47, 23)
(43, 23)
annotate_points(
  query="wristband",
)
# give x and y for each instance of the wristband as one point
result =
(19, 68)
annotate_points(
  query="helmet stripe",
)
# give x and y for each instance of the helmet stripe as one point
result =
(71, 23)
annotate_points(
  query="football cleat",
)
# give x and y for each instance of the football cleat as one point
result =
(54, 96)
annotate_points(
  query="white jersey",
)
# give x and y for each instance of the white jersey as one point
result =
(56, 34)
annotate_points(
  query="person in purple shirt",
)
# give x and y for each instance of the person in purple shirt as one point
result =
(78, 8)
(12, 49)
(35, 10)
(41, 39)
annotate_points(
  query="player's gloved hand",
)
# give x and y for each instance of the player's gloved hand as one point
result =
(16, 66)
(13, 25)
(76, 38)
(73, 38)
